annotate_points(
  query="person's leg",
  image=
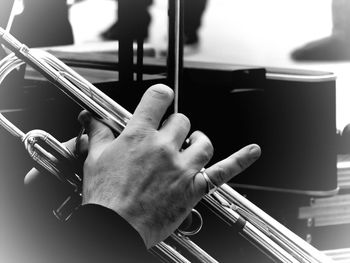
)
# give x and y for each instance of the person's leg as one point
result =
(140, 12)
(341, 17)
(111, 33)
(193, 13)
(43, 23)
(337, 45)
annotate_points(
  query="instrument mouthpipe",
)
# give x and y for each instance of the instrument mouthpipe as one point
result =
(58, 78)
(85, 94)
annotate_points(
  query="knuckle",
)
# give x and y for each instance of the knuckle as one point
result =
(208, 149)
(133, 135)
(203, 157)
(184, 120)
(164, 148)
(242, 163)
(206, 156)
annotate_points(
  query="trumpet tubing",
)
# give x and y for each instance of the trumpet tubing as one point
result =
(279, 242)
(91, 99)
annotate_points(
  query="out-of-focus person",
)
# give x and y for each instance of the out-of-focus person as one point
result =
(193, 14)
(335, 47)
(43, 23)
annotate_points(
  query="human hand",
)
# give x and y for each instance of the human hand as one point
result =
(47, 191)
(34, 176)
(144, 174)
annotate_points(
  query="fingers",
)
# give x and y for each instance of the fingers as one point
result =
(33, 175)
(226, 169)
(176, 127)
(99, 134)
(83, 145)
(152, 107)
(200, 150)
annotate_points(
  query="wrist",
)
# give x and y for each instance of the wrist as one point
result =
(132, 219)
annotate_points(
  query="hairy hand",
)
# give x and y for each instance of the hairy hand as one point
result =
(144, 175)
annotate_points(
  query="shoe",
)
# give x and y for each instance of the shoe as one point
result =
(336, 47)
(112, 33)
(333, 48)
(189, 49)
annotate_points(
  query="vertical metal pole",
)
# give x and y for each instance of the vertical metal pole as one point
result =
(126, 39)
(175, 47)
(139, 60)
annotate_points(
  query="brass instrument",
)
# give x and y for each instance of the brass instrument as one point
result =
(279, 243)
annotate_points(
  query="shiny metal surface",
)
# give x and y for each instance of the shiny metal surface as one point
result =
(279, 242)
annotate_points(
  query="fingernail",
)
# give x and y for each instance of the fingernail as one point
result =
(255, 151)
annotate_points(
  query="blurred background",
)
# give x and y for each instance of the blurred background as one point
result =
(260, 34)
(250, 32)
(244, 34)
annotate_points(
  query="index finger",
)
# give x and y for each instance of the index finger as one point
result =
(152, 107)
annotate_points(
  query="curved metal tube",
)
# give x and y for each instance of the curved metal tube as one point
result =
(282, 244)
(90, 98)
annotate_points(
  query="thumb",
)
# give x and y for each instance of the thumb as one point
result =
(98, 133)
